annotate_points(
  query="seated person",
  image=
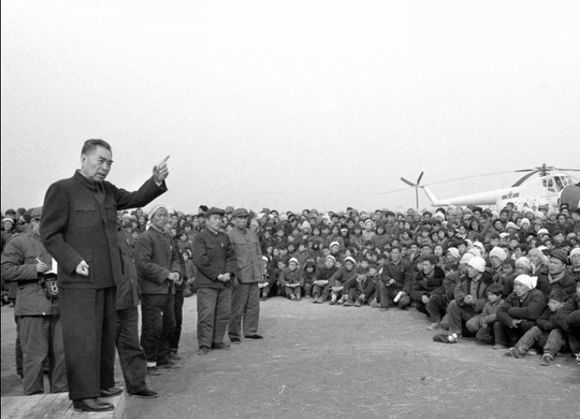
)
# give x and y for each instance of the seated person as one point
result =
(470, 298)
(320, 288)
(394, 275)
(291, 280)
(568, 318)
(427, 291)
(361, 288)
(308, 274)
(574, 268)
(339, 278)
(488, 320)
(557, 276)
(546, 334)
(520, 310)
(507, 276)
(265, 284)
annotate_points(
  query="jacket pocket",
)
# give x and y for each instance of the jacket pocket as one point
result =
(85, 215)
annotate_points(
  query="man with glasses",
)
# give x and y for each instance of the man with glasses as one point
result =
(27, 263)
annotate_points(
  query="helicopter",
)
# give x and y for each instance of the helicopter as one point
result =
(540, 187)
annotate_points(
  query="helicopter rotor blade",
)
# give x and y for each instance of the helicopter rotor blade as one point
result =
(408, 182)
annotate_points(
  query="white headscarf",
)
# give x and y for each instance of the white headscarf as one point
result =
(528, 281)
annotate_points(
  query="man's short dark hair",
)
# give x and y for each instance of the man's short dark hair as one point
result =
(432, 259)
(90, 145)
(495, 289)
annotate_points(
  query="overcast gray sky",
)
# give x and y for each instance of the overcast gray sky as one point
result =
(289, 105)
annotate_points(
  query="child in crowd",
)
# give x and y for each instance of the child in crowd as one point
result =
(360, 289)
(546, 334)
(292, 281)
(487, 319)
(189, 273)
(308, 275)
(507, 275)
(264, 284)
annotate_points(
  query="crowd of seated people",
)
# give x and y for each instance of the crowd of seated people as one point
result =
(510, 279)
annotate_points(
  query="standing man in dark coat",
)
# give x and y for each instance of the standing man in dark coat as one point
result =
(215, 260)
(131, 354)
(159, 270)
(246, 299)
(79, 229)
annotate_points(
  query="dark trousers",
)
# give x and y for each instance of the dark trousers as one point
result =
(18, 348)
(213, 315)
(246, 308)
(89, 327)
(508, 336)
(573, 335)
(179, 299)
(131, 354)
(550, 342)
(435, 307)
(387, 293)
(157, 327)
(41, 338)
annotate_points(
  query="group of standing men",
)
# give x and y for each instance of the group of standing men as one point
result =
(98, 294)
(227, 263)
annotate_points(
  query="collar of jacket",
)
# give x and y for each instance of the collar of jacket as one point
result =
(212, 232)
(86, 182)
(157, 229)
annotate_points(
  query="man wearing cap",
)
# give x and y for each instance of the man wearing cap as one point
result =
(26, 262)
(229, 212)
(557, 276)
(215, 259)
(246, 293)
(470, 297)
(158, 266)
(79, 229)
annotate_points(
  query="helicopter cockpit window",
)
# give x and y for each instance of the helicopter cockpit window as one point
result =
(549, 184)
(559, 184)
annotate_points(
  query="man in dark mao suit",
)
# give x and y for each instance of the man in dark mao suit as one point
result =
(246, 293)
(215, 260)
(79, 228)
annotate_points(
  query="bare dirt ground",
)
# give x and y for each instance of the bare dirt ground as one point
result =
(321, 361)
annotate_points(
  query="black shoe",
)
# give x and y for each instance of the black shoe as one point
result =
(92, 405)
(110, 392)
(153, 371)
(220, 346)
(253, 337)
(145, 394)
(175, 356)
(170, 365)
(235, 340)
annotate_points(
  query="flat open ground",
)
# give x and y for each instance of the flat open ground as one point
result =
(321, 361)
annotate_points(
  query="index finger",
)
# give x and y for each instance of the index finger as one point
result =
(164, 160)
